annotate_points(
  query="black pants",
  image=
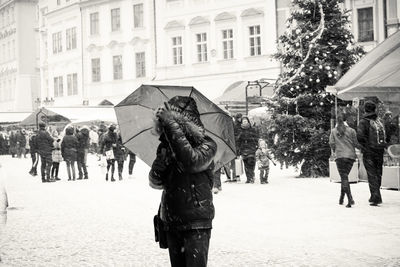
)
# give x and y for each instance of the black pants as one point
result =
(54, 169)
(249, 166)
(373, 164)
(120, 164)
(45, 166)
(344, 166)
(217, 179)
(132, 161)
(82, 170)
(111, 163)
(188, 248)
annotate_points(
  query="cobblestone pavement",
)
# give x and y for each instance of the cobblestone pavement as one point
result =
(289, 222)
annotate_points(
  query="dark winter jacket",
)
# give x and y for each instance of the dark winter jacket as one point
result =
(33, 144)
(21, 139)
(363, 136)
(119, 151)
(248, 142)
(83, 139)
(109, 139)
(237, 129)
(44, 143)
(184, 169)
(69, 145)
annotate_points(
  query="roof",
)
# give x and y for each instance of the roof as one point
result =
(237, 92)
(376, 74)
(13, 117)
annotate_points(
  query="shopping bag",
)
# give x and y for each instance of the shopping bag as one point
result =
(362, 172)
(239, 166)
(110, 154)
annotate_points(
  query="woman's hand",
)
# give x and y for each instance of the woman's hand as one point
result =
(163, 113)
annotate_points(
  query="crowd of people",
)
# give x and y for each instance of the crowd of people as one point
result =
(71, 146)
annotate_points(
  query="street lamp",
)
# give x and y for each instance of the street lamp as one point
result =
(48, 101)
(251, 84)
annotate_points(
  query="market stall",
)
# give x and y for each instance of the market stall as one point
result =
(377, 76)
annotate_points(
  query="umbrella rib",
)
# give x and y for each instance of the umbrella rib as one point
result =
(214, 112)
(161, 91)
(139, 133)
(222, 141)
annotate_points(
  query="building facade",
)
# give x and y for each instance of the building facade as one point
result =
(212, 44)
(119, 47)
(373, 21)
(19, 76)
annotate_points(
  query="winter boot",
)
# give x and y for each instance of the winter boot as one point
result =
(341, 198)
(106, 176)
(112, 178)
(120, 176)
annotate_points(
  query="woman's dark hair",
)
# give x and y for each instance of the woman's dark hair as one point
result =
(341, 127)
(246, 118)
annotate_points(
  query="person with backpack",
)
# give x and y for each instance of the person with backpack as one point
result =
(343, 141)
(373, 138)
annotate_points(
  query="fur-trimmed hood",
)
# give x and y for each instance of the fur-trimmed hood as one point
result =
(193, 132)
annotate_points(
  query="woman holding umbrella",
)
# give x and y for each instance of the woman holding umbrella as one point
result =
(183, 168)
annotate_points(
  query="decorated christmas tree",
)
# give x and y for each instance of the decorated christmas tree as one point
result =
(316, 49)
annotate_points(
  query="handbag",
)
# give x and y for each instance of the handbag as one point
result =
(160, 233)
(110, 154)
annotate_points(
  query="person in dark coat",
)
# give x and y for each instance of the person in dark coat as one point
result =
(247, 143)
(34, 153)
(2, 144)
(45, 146)
(132, 161)
(83, 148)
(21, 143)
(371, 135)
(237, 127)
(183, 168)
(109, 149)
(120, 155)
(69, 150)
(13, 144)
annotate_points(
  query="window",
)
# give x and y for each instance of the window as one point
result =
(138, 15)
(140, 65)
(57, 45)
(71, 38)
(115, 20)
(177, 50)
(201, 40)
(58, 86)
(96, 70)
(255, 40)
(117, 67)
(72, 84)
(58, 2)
(365, 24)
(13, 49)
(227, 43)
(94, 23)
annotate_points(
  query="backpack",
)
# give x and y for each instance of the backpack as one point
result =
(377, 134)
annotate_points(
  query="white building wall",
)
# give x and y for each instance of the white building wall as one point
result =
(126, 42)
(59, 19)
(215, 75)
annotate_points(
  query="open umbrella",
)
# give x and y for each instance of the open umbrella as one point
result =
(135, 118)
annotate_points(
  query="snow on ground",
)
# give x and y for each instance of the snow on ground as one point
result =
(289, 222)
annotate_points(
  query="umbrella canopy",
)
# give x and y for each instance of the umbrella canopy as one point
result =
(135, 118)
(376, 74)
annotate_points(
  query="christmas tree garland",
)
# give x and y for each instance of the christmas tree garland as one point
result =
(321, 29)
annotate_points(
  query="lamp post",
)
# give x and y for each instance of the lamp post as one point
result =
(48, 102)
(251, 84)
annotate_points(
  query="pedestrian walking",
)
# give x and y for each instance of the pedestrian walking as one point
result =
(263, 157)
(132, 161)
(108, 148)
(57, 158)
(34, 153)
(183, 168)
(343, 141)
(45, 146)
(21, 143)
(373, 138)
(237, 126)
(120, 155)
(69, 150)
(83, 148)
(247, 143)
